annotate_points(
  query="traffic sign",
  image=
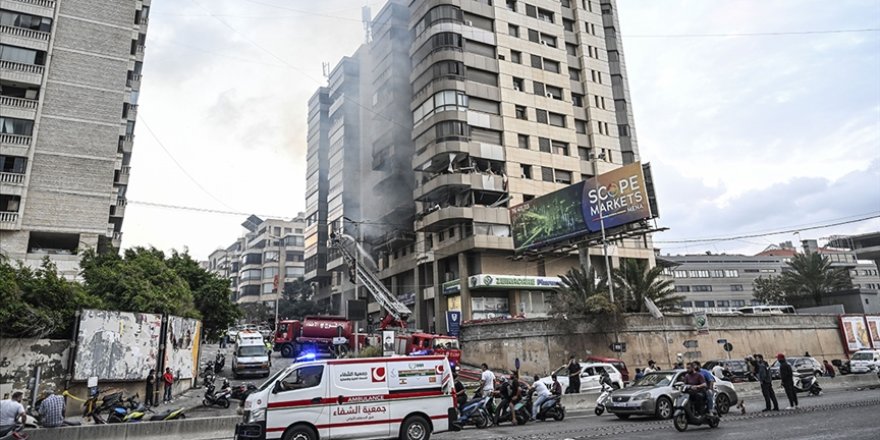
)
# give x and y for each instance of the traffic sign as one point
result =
(722, 341)
(690, 343)
(728, 347)
(618, 347)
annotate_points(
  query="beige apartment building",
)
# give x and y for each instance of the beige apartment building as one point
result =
(510, 100)
(70, 73)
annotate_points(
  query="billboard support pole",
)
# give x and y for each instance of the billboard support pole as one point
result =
(602, 227)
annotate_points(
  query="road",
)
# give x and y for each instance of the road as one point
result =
(836, 415)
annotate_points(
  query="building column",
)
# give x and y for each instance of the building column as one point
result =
(440, 305)
(417, 307)
(465, 289)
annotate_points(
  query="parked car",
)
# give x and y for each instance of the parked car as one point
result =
(737, 369)
(265, 332)
(800, 365)
(619, 364)
(653, 395)
(590, 374)
(865, 361)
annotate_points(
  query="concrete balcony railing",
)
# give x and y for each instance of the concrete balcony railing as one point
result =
(18, 103)
(8, 217)
(12, 178)
(15, 139)
(24, 33)
(132, 112)
(134, 82)
(126, 143)
(139, 51)
(42, 3)
(21, 67)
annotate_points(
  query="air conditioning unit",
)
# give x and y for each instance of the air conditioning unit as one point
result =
(469, 23)
(550, 95)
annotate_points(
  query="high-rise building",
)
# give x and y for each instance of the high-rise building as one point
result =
(507, 101)
(70, 73)
(253, 263)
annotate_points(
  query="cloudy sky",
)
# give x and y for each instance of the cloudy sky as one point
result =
(746, 133)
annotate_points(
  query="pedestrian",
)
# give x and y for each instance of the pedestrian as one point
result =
(487, 381)
(460, 391)
(168, 379)
(766, 384)
(652, 367)
(11, 413)
(542, 394)
(639, 373)
(150, 399)
(718, 371)
(52, 410)
(574, 376)
(787, 376)
(829, 369)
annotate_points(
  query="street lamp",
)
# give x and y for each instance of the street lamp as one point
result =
(595, 165)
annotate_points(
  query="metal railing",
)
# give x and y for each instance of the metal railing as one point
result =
(14, 139)
(21, 67)
(14, 178)
(126, 169)
(9, 101)
(8, 217)
(43, 3)
(25, 33)
(139, 50)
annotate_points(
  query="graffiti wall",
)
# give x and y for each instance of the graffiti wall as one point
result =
(116, 345)
(182, 346)
(18, 357)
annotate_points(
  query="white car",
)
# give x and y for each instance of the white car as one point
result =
(864, 361)
(591, 372)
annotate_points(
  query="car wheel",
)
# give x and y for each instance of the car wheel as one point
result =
(415, 428)
(300, 433)
(622, 416)
(722, 404)
(664, 408)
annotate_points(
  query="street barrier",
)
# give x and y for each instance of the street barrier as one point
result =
(214, 428)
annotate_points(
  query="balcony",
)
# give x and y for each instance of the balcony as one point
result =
(443, 218)
(116, 239)
(134, 82)
(28, 38)
(125, 143)
(122, 176)
(40, 3)
(8, 220)
(9, 102)
(12, 183)
(139, 52)
(20, 72)
(443, 183)
(15, 144)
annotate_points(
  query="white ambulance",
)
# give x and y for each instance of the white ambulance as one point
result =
(370, 398)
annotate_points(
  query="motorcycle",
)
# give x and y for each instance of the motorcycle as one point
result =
(241, 391)
(109, 403)
(208, 373)
(552, 408)
(219, 362)
(168, 415)
(219, 398)
(686, 412)
(807, 383)
(474, 413)
(14, 433)
(603, 399)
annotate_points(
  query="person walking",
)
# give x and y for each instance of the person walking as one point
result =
(829, 369)
(766, 384)
(150, 398)
(574, 376)
(786, 374)
(168, 379)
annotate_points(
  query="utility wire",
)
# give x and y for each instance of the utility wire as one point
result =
(752, 34)
(786, 231)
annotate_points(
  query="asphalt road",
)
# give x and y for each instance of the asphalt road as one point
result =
(850, 415)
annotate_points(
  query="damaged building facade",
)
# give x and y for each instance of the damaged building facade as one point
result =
(450, 114)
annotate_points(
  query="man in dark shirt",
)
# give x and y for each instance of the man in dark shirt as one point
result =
(574, 376)
(555, 387)
(786, 374)
(460, 391)
(515, 396)
(763, 373)
(695, 379)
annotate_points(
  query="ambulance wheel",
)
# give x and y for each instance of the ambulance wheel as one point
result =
(415, 428)
(300, 433)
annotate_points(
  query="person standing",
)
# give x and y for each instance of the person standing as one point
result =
(639, 373)
(574, 376)
(718, 371)
(11, 413)
(150, 398)
(168, 379)
(515, 396)
(652, 367)
(786, 374)
(52, 410)
(487, 381)
(766, 384)
(829, 369)
(460, 391)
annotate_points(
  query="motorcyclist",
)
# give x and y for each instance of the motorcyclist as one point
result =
(504, 391)
(460, 391)
(543, 394)
(697, 383)
(555, 387)
(515, 396)
(605, 380)
(710, 386)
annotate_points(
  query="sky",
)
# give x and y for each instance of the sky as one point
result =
(746, 133)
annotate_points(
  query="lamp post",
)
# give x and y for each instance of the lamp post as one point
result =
(593, 161)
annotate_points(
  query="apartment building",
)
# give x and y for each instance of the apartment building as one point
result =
(508, 100)
(70, 74)
(267, 257)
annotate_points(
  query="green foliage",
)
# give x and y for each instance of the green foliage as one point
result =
(39, 303)
(810, 276)
(297, 303)
(581, 293)
(770, 290)
(258, 313)
(633, 282)
(371, 351)
(211, 294)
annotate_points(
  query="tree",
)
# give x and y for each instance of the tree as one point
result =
(297, 303)
(140, 281)
(634, 282)
(39, 303)
(582, 293)
(257, 312)
(211, 294)
(770, 290)
(811, 275)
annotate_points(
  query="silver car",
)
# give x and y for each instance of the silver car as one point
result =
(653, 395)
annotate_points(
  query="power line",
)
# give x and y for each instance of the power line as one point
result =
(786, 231)
(753, 34)
(204, 210)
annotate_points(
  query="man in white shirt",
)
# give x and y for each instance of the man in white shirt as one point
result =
(652, 367)
(718, 371)
(11, 412)
(487, 381)
(542, 395)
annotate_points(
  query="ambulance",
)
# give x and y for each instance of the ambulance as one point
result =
(365, 398)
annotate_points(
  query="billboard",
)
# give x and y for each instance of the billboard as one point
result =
(855, 332)
(116, 345)
(874, 329)
(182, 346)
(616, 198)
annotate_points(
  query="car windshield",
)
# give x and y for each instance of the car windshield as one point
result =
(863, 356)
(446, 343)
(271, 379)
(655, 380)
(251, 350)
(563, 371)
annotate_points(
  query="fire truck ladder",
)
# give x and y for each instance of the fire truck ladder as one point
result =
(398, 313)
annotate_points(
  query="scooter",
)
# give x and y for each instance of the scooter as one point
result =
(807, 383)
(603, 399)
(168, 415)
(550, 408)
(219, 362)
(219, 398)
(108, 403)
(685, 412)
(15, 433)
(474, 413)
(241, 391)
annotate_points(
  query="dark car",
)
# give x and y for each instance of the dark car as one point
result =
(735, 370)
(800, 365)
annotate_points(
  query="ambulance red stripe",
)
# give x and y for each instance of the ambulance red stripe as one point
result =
(350, 424)
(355, 399)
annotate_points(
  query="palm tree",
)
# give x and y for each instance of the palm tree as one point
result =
(583, 293)
(811, 275)
(635, 282)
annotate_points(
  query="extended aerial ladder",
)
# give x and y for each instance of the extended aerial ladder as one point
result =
(397, 313)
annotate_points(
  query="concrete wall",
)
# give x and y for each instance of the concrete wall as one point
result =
(216, 428)
(544, 344)
(18, 357)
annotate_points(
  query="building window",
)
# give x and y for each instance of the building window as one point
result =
(737, 303)
(623, 130)
(702, 288)
(548, 40)
(515, 57)
(551, 66)
(451, 130)
(21, 127)
(584, 153)
(563, 176)
(547, 174)
(574, 74)
(25, 21)
(682, 288)
(528, 197)
(568, 24)
(687, 304)
(560, 148)
(442, 13)
(596, 76)
(580, 126)
(722, 303)
(736, 287)
(521, 114)
(511, 4)
(545, 15)
(541, 116)
(534, 36)
(536, 62)
(704, 304)
(731, 273)
(538, 88)
(557, 119)
(526, 171)
(446, 100)
(513, 30)
(554, 92)
(571, 49)
(531, 11)
(21, 55)
(518, 84)
(577, 100)
(523, 141)
(270, 272)
(544, 145)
